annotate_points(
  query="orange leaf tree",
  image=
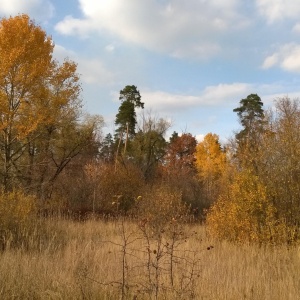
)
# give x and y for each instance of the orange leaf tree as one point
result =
(178, 169)
(39, 106)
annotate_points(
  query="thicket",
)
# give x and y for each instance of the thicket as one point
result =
(260, 202)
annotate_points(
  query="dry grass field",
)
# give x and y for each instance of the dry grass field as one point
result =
(122, 260)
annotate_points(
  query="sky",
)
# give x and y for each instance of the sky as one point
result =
(192, 61)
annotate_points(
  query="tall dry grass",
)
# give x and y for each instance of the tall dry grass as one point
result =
(86, 261)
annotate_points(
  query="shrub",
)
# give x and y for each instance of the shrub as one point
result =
(245, 212)
(116, 188)
(17, 212)
(161, 206)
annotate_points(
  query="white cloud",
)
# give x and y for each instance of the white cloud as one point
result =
(74, 26)
(221, 94)
(212, 97)
(110, 48)
(60, 53)
(287, 57)
(276, 10)
(200, 137)
(204, 50)
(292, 60)
(270, 61)
(40, 10)
(92, 70)
(296, 28)
(163, 101)
(179, 28)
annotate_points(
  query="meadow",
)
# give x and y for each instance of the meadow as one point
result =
(119, 259)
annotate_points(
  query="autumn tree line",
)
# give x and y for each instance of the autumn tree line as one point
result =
(55, 157)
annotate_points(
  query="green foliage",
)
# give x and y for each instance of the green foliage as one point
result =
(131, 94)
(251, 115)
(107, 149)
(146, 150)
(173, 137)
(126, 117)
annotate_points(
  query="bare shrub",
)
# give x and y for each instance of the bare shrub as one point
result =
(152, 256)
(100, 189)
(151, 265)
(117, 188)
(160, 205)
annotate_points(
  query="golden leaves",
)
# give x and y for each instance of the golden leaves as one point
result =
(25, 50)
(210, 159)
(245, 213)
(38, 96)
(35, 90)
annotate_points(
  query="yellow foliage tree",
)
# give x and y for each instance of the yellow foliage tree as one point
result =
(210, 164)
(39, 106)
(246, 213)
(261, 201)
(25, 63)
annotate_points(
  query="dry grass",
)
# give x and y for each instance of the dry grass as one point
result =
(89, 265)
